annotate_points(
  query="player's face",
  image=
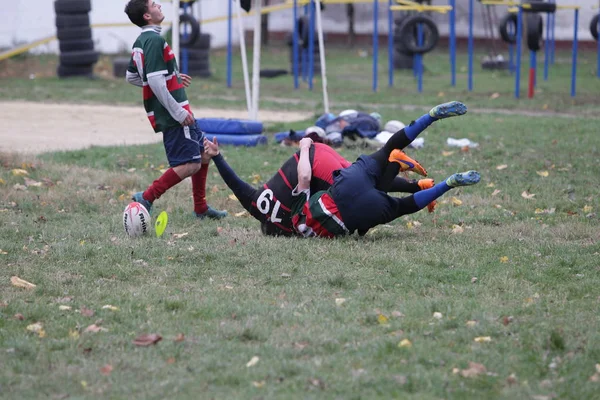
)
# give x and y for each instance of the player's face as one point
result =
(154, 14)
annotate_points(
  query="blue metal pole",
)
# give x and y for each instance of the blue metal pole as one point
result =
(295, 45)
(546, 49)
(229, 52)
(534, 65)
(452, 44)
(311, 45)
(375, 43)
(471, 45)
(574, 61)
(518, 66)
(390, 45)
(420, 59)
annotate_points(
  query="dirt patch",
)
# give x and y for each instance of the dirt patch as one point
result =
(29, 127)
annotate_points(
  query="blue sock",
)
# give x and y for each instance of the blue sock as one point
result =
(413, 130)
(424, 197)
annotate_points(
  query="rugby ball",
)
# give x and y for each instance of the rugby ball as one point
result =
(136, 219)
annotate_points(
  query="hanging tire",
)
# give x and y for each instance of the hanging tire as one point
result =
(72, 6)
(535, 31)
(65, 71)
(195, 54)
(540, 6)
(409, 37)
(594, 26)
(120, 66)
(198, 64)
(403, 61)
(200, 72)
(190, 39)
(508, 20)
(203, 42)
(66, 46)
(74, 33)
(66, 21)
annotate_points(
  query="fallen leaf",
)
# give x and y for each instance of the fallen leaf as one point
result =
(405, 343)
(109, 307)
(171, 360)
(512, 380)
(526, 195)
(507, 320)
(179, 235)
(20, 187)
(31, 182)
(542, 173)
(457, 229)
(214, 189)
(397, 314)
(437, 315)
(93, 328)
(409, 225)
(232, 197)
(253, 361)
(2, 181)
(35, 328)
(545, 211)
(19, 317)
(74, 334)
(2, 252)
(382, 319)
(495, 192)
(587, 209)
(490, 185)
(179, 338)
(482, 339)
(258, 384)
(495, 95)
(447, 153)
(19, 172)
(147, 340)
(504, 259)
(255, 179)
(474, 279)
(64, 308)
(501, 167)
(86, 312)
(241, 213)
(339, 301)
(456, 201)
(474, 370)
(106, 370)
(471, 323)
(18, 282)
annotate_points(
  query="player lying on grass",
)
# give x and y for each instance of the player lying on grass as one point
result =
(354, 201)
(271, 204)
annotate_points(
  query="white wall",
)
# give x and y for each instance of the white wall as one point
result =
(29, 20)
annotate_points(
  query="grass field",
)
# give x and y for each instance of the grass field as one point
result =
(495, 295)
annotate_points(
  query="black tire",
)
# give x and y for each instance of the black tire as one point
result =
(188, 2)
(535, 31)
(200, 72)
(594, 26)
(120, 66)
(65, 71)
(195, 54)
(79, 58)
(198, 64)
(408, 31)
(403, 61)
(203, 42)
(509, 19)
(540, 6)
(72, 6)
(74, 33)
(190, 39)
(75, 45)
(66, 21)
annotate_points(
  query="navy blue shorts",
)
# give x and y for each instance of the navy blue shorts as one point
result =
(361, 205)
(183, 144)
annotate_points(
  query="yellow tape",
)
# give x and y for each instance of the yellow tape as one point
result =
(26, 47)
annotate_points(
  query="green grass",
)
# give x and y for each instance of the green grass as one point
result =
(235, 294)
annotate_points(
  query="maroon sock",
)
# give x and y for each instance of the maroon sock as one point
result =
(161, 185)
(199, 189)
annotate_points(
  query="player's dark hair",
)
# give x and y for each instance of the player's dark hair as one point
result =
(135, 10)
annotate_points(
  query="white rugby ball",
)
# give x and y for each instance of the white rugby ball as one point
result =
(136, 219)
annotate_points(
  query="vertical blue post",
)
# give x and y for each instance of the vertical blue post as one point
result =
(471, 45)
(598, 51)
(420, 59)
(375, 42)
(452, 44)
(534, 59)
(574, 60)
(546, 45)
(229, 52)
(518, 66)
(311, 45)
(295, 45)
(390, 45)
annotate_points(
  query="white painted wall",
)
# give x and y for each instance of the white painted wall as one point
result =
(29, 20)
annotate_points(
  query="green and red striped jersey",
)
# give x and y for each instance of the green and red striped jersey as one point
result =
(316, 215)
(152, 55)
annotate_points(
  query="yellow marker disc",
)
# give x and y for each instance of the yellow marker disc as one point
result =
(161, 223)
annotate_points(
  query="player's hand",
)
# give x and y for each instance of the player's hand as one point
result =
(189, 120)
(211, 149)
(186, 80)
(305, 143)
